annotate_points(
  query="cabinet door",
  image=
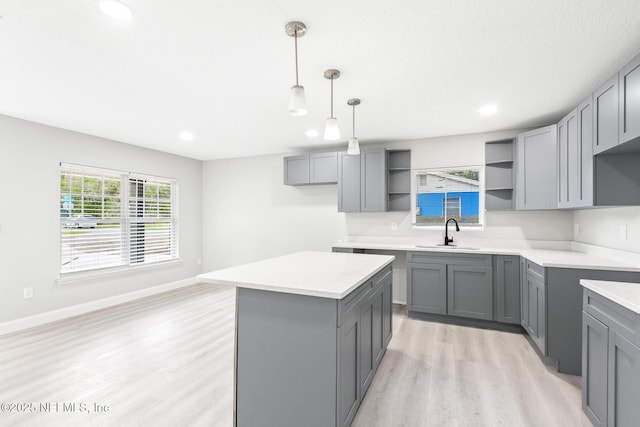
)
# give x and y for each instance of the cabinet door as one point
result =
(573, 160)
(623, 407)
(323, 168)
(508, 289)
(373, 181)
(537, 313)
(387, 314)
(427, 288)
(377, 328)
(537, 186)
(524, 294)
(605, 116)
(349, 369)
(595, 351)
(562, 157)
(296, 170)
(585, 147)
(366, 346)
(629, 117)
(348, 182)
(470, 292)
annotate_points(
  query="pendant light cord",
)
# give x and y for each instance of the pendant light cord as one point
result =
(354, 120)
(296, 45)
(332, 96)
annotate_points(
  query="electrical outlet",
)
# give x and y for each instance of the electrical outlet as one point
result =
(623, 231)
(27, 293)
(394, 226)
(576, 229)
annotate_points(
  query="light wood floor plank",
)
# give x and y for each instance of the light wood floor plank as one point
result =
(167, 360)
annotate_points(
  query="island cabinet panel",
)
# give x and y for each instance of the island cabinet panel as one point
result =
(305, 360)
(611, 362)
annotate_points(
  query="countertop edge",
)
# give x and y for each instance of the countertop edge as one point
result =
(600, 288)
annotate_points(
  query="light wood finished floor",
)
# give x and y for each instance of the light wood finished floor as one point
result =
(167, 360)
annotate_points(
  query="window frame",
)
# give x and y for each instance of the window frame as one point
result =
(125, 220)
(481, 200)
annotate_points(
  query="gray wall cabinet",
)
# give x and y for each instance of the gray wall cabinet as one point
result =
(605, 116)
(314, 168)
(507, 291)
(536, 183)
(304, 360)
(568, 160)
(499, 174)
(453, 284)
(585, 174)
(629, 101)
(362, 181)
(399, 180)
(611, 362)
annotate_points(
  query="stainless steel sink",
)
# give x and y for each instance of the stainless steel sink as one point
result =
(469, 248)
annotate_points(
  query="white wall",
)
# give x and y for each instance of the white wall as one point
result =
(249, 214)
(29, 215)
(602, 227)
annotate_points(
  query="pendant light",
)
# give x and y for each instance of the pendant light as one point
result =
(331, 131)
(354, 145)
(297, 102)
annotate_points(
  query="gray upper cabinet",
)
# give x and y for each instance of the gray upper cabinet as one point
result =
(585, 188)
(499, 177)
(315, 168)
(373, 175)
(348, 183)
(629, 101)
(605, 116)
(537, 185)
(362, 181)
(323, 168)
(296, 170)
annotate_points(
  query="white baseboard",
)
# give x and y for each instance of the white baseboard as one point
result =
(75, 310)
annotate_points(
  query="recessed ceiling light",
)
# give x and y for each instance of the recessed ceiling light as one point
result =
(115, 9)
(186, 136)
(312, 133)
(488, 110)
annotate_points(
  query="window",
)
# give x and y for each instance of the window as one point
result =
(445, 193)
(114, 219)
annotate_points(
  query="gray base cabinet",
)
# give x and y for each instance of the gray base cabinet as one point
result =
(610, 362)
(507, 291)
(534, 304)
(452, 284)
(304, 360)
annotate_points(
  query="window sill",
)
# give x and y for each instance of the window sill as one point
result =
(84, 276)
(451, 227)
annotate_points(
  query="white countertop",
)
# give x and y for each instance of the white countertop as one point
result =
(624, 293)
(320, 274)
(542, 257)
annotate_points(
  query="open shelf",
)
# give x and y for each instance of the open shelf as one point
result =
(499, 177)
(399, 180)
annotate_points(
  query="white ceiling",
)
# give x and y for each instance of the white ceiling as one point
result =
(222, 69)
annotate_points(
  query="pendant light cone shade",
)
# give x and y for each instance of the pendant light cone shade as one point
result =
(297, 101)
(354, 146)
(331, 130)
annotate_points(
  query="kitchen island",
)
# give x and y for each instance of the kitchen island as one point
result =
(311, 330)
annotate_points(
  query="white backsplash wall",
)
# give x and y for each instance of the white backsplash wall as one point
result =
(602, 227)
(30, 216)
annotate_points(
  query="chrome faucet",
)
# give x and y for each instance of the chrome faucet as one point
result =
(447, 239)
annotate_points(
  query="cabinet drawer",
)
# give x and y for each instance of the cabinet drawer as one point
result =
(349, 304)
(479, 260)
(620, 319)
(536, 271)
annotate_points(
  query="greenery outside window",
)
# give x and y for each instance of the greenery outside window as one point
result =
(449, 193)
(115, 219)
